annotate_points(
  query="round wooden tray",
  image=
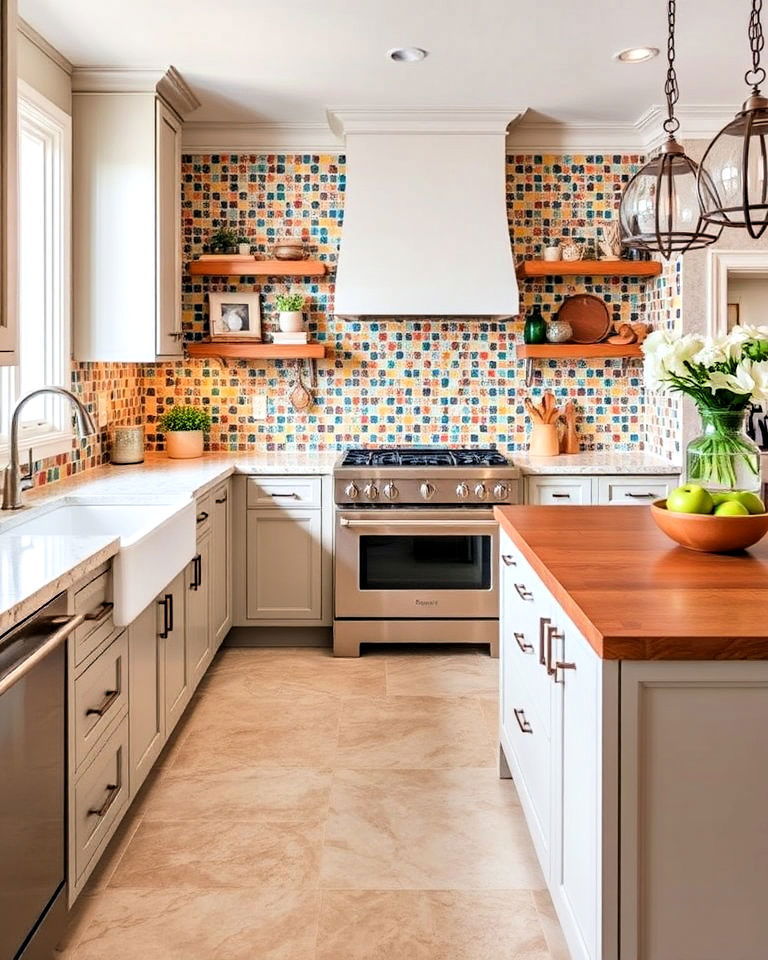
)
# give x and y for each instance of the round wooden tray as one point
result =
(588, 316)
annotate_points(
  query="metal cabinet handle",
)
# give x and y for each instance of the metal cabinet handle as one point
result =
(288, 496)
(544, 623)
(640, 496)
(523, 643)
(523, 592)
(508, 561)
(552, 634)
(561, 496)
(524, 725)
(109, 698)
(101, 612)
(197, 572)
(68, 626)
(170, 615)
(112, 791)
(202, 516)
(221, 499)
(166, 603)
(562, 665)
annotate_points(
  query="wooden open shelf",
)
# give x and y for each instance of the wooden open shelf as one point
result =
(589, 268)
(257, 351)
(577, 351)
(256, 268)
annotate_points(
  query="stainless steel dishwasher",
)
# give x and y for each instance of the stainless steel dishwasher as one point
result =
(33, 781)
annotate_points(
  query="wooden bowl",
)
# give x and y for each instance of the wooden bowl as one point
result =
(707, 533)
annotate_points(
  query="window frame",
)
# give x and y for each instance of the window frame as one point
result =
(54, 435)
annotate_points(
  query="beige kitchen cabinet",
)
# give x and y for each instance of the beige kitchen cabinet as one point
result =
(147, 696)
(9, 259)
(220, 581)
(176, 666)
(198, 611)
(127, 214)
(283, 564)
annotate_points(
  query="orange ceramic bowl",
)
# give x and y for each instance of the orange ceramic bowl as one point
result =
(709, 534)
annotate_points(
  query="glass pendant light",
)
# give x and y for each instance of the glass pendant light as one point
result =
(659, 208)
(733, 181)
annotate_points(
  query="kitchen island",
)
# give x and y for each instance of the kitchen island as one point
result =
(634, 704)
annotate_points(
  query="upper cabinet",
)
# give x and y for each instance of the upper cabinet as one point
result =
(8, 185)
(127, 213)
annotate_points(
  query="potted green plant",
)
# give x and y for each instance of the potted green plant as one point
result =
(184, 427)
(290, 307)
(552, 249)
(225, 240)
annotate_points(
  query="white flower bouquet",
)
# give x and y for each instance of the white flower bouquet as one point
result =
(722, 375)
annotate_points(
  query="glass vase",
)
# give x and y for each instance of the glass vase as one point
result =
(723, 457)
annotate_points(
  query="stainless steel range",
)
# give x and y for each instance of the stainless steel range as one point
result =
(416, 558)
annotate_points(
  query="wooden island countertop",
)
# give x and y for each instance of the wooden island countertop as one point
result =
(634, 594)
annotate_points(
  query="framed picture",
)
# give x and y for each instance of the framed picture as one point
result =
(733, 315)
(234, 316)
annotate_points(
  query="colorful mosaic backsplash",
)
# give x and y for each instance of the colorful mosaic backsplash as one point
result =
(384, 382)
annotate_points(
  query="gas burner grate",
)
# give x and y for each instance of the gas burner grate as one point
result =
(424, 457)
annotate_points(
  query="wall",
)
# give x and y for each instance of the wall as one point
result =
(751, 295)
(386, 382)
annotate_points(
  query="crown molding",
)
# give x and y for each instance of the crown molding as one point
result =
(28, 31)
(418, 119)
(698, 121)
(166, 81)
(548, 136)
(201, 136)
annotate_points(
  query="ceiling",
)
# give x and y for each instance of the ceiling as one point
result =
(255, 61)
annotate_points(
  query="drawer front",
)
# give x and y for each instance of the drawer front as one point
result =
(564, 491)
(100, 795)
(629, 491)
(203, 515)
(101, 695)
(95, 601)
(282, 493)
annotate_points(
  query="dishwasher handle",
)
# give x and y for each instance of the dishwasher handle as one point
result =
(66, 626)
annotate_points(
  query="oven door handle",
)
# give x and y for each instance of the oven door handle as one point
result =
(69, 625)
(454, 524)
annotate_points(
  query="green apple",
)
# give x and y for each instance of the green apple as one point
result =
(731, 508)
(690, 498)
(719, 497)
(750, 500)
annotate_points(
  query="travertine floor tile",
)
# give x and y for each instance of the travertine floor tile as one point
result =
(158, 924)
(430, 925)
(256, 794)
(413, 732)
(442, 675)
(203, 854)
(550, 924)
(427, 829)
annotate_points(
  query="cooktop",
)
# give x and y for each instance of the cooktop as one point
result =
(424, 457)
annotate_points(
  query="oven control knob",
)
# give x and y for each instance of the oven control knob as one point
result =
(480, 491)
(427, 490)
(371, 491)
(462, 491)
(351, 491)
(390, 491)
(500, 491)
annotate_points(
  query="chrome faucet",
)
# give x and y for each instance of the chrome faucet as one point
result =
(13, 482)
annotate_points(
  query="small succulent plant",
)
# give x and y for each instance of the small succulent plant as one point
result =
(289, 302)
(183, 418)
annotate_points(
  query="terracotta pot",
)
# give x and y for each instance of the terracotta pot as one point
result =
(184, 444)
(544, 440)
(291, 321)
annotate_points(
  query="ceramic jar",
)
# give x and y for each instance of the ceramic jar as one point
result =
(552, 253)
(544, 440)
(291, 321)
(184, 444)
(127, 445)
(289, 248)
(559, 331)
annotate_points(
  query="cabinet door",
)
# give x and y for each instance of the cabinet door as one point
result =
(199, 648)
(8, 186)
(565, 491)
(633, 491)
(221, 565)
(576, 879)
(146, 699)
(168, 186)
(283, 561)
(170, 627)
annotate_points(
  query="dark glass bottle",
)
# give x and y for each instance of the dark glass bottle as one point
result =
(535, 330)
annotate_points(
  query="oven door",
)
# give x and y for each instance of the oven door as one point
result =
(419, 563)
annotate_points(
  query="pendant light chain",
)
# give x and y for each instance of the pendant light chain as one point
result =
(756, 75)
(671, 124)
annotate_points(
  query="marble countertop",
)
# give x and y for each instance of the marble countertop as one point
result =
(595, 462)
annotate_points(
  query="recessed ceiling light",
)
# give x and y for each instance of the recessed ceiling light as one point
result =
(406, 54)
(636, 54)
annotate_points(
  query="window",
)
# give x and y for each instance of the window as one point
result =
(44, 278)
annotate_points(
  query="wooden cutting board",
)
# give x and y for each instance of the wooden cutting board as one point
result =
(588, 316)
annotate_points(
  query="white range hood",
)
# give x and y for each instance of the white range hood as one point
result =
(425, 229)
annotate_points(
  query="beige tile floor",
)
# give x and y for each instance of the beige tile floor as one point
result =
(309, 808)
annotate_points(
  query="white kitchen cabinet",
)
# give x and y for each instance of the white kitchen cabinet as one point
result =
(127, 214)
(9, 259)
(176, 666)
(283, 564)
(147, 695)
(631, 491)
(221, 583)
(580, 489)
(198, 611)
(559, 490)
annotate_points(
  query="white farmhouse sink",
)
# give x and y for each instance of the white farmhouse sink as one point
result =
(156, 542)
